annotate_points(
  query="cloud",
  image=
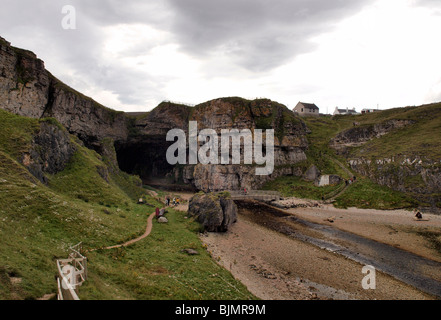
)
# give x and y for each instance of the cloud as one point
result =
(258, 35)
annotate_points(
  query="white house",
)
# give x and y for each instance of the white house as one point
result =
(306, 109)
(346, 111)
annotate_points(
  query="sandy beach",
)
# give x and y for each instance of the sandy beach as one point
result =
(274, 266)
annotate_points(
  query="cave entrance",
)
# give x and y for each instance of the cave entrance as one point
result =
(145, 157)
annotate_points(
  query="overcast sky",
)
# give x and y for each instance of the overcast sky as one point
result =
(130, 55)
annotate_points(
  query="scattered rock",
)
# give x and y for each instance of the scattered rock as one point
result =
(312, 173)
(190, 252)
(331, 219)
(162, 220)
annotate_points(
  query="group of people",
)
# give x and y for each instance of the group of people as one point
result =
(351, 180)
(175, 201)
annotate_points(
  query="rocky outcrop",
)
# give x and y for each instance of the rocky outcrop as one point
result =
(50, 152)
(214, 178)
(327, 180)
(215, 212)
(311, 174)
(359, 135)
(28, 89)
(411, 174)
(224, 113)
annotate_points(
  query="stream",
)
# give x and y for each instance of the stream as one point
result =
(405, 266)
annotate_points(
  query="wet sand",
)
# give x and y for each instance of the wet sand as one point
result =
(275, 266)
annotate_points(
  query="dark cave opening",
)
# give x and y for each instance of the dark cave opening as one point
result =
(145, 157)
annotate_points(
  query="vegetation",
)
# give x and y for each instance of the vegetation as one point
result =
(39, 223)
(367, 194)
(411, 140)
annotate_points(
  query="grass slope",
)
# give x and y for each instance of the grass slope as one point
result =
(38, 223)
(412, 140)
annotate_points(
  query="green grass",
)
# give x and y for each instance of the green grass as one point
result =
(367, 194)
(38, 223)
(156, 268)
(16, 133)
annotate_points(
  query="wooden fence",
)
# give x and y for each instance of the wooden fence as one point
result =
(72, 272)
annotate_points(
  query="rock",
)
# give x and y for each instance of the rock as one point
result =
(312, 173)
(215, 212)
(50, 152)
(190, 252)
(327, 180)
(162, 220)
(28, 89)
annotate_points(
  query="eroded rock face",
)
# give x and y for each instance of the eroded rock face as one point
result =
(28, 89)
(359, 135)
(219, 114)
(410, 174)
(24, 82)
(216, 213)
(50, 152)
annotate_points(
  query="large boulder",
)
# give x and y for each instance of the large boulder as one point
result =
(312, 173)
(215, 212)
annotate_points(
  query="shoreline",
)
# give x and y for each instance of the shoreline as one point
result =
(275, 266)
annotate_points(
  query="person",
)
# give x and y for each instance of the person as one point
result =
(418, 214)
(177, 201)
(167, 201)
(157, 212)
(174, 201)
(245, 190)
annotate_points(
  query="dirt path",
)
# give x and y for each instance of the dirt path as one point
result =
(146, 233)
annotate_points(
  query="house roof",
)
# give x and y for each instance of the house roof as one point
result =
(346, 111)
(309, 105)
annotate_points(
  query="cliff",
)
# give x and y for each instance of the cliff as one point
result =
(398, 148)
(28, 89)
(218, 114)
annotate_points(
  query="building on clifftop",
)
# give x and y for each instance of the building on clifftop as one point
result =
(306, 109)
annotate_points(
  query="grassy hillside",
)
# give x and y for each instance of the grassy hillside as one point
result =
(38, 223)
(421, 138)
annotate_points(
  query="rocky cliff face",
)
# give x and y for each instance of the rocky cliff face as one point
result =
(413, 173)
(359, 135)
(28, 89)
(51, 149)
(218, 114)
(410, 174)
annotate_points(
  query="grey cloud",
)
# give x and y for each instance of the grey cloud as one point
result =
(257, 35)
(265, 34)
(38, 24)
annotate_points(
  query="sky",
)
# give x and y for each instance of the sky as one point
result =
(131, 55)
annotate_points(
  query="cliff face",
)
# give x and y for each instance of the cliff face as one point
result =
(218, 114)
(28, 89)
(398, 149)
(359, 135)
(51, 150)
